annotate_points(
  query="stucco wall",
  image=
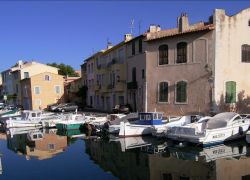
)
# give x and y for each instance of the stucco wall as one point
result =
(231, 33)
(199, 52)
(47, 89)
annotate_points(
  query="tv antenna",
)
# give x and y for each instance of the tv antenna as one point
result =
(132, 26)
(139, 26)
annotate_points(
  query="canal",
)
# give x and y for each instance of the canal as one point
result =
(47, 154)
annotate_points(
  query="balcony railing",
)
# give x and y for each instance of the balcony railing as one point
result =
(132, 85)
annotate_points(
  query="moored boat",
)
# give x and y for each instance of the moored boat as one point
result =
(161, 131)
(143, 126)
(222, 127)
(71, 121)
(27, 119)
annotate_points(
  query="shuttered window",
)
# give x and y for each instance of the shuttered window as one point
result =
(245, 53)
(181, 92)
(181, 52)
(163, 92)
(163, 54)
(230, 92)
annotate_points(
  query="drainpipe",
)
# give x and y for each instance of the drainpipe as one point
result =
(146, 97)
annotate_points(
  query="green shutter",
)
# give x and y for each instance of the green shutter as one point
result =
(163, 92)
(230, 92)
(181, 92)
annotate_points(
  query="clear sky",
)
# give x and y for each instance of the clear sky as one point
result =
(68, 32)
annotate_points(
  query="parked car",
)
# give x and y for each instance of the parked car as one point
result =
(121, 109)
(52, 107)
(66, 107)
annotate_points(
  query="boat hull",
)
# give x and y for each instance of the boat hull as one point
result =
(214, 136)
(130, 130)
(72, 126)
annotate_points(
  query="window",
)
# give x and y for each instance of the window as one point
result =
(142, 74)
(181, 92)
(57, 89)
(230, 92)
(47, 78)
(181, 52)
(245, 53)
(133, 48)
(249, 23)
(140, 46)
(163, 54)
(37, 90)
(51, 146)
(38, 102)
(163, 92)
(26, 75)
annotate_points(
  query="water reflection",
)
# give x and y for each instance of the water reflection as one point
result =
(135, 158)
(167, 161)
(37, 143)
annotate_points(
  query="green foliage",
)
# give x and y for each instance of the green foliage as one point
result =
(65, 70)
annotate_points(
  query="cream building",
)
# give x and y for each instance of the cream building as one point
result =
(20, 71)
(200, 67)
(42, 89)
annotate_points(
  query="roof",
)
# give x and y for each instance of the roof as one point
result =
(220, 120)
(174, 32)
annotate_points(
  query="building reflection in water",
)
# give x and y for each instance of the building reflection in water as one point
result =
(36, 143)
(161, 161)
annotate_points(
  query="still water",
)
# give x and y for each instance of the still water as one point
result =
(47, 154)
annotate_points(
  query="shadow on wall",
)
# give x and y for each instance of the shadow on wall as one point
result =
(241, 106)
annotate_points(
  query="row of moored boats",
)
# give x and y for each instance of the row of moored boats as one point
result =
(201, 130)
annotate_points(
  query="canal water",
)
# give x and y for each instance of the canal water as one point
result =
(47, 154)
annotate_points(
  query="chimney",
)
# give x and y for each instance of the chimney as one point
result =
(154, 28)
(20, 63)
(127, 37)
(182, 22)
(109, 45)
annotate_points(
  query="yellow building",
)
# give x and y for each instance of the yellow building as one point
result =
(42, 89)
(21, 70)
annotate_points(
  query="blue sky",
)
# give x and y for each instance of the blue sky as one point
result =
(68, 32)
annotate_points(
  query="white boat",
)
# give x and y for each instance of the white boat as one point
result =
(143, 126)
(71, 121)
(27, 119)
(116, 119)
(222, 127)
(161, 131)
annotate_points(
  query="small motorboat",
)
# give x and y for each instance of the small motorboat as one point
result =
(143, 126)
(161, 131)
(71, 121)
(27, 119)
(222, 127)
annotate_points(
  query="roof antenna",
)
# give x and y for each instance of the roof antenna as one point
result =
(132, 26)
(139, 24)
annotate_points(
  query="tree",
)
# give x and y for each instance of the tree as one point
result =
(83, 94)
(65, 70)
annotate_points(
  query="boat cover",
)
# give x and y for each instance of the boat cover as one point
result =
(220, 120)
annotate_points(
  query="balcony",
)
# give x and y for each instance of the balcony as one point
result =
(132, 85)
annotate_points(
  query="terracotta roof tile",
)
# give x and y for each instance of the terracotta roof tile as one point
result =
(173, 32)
